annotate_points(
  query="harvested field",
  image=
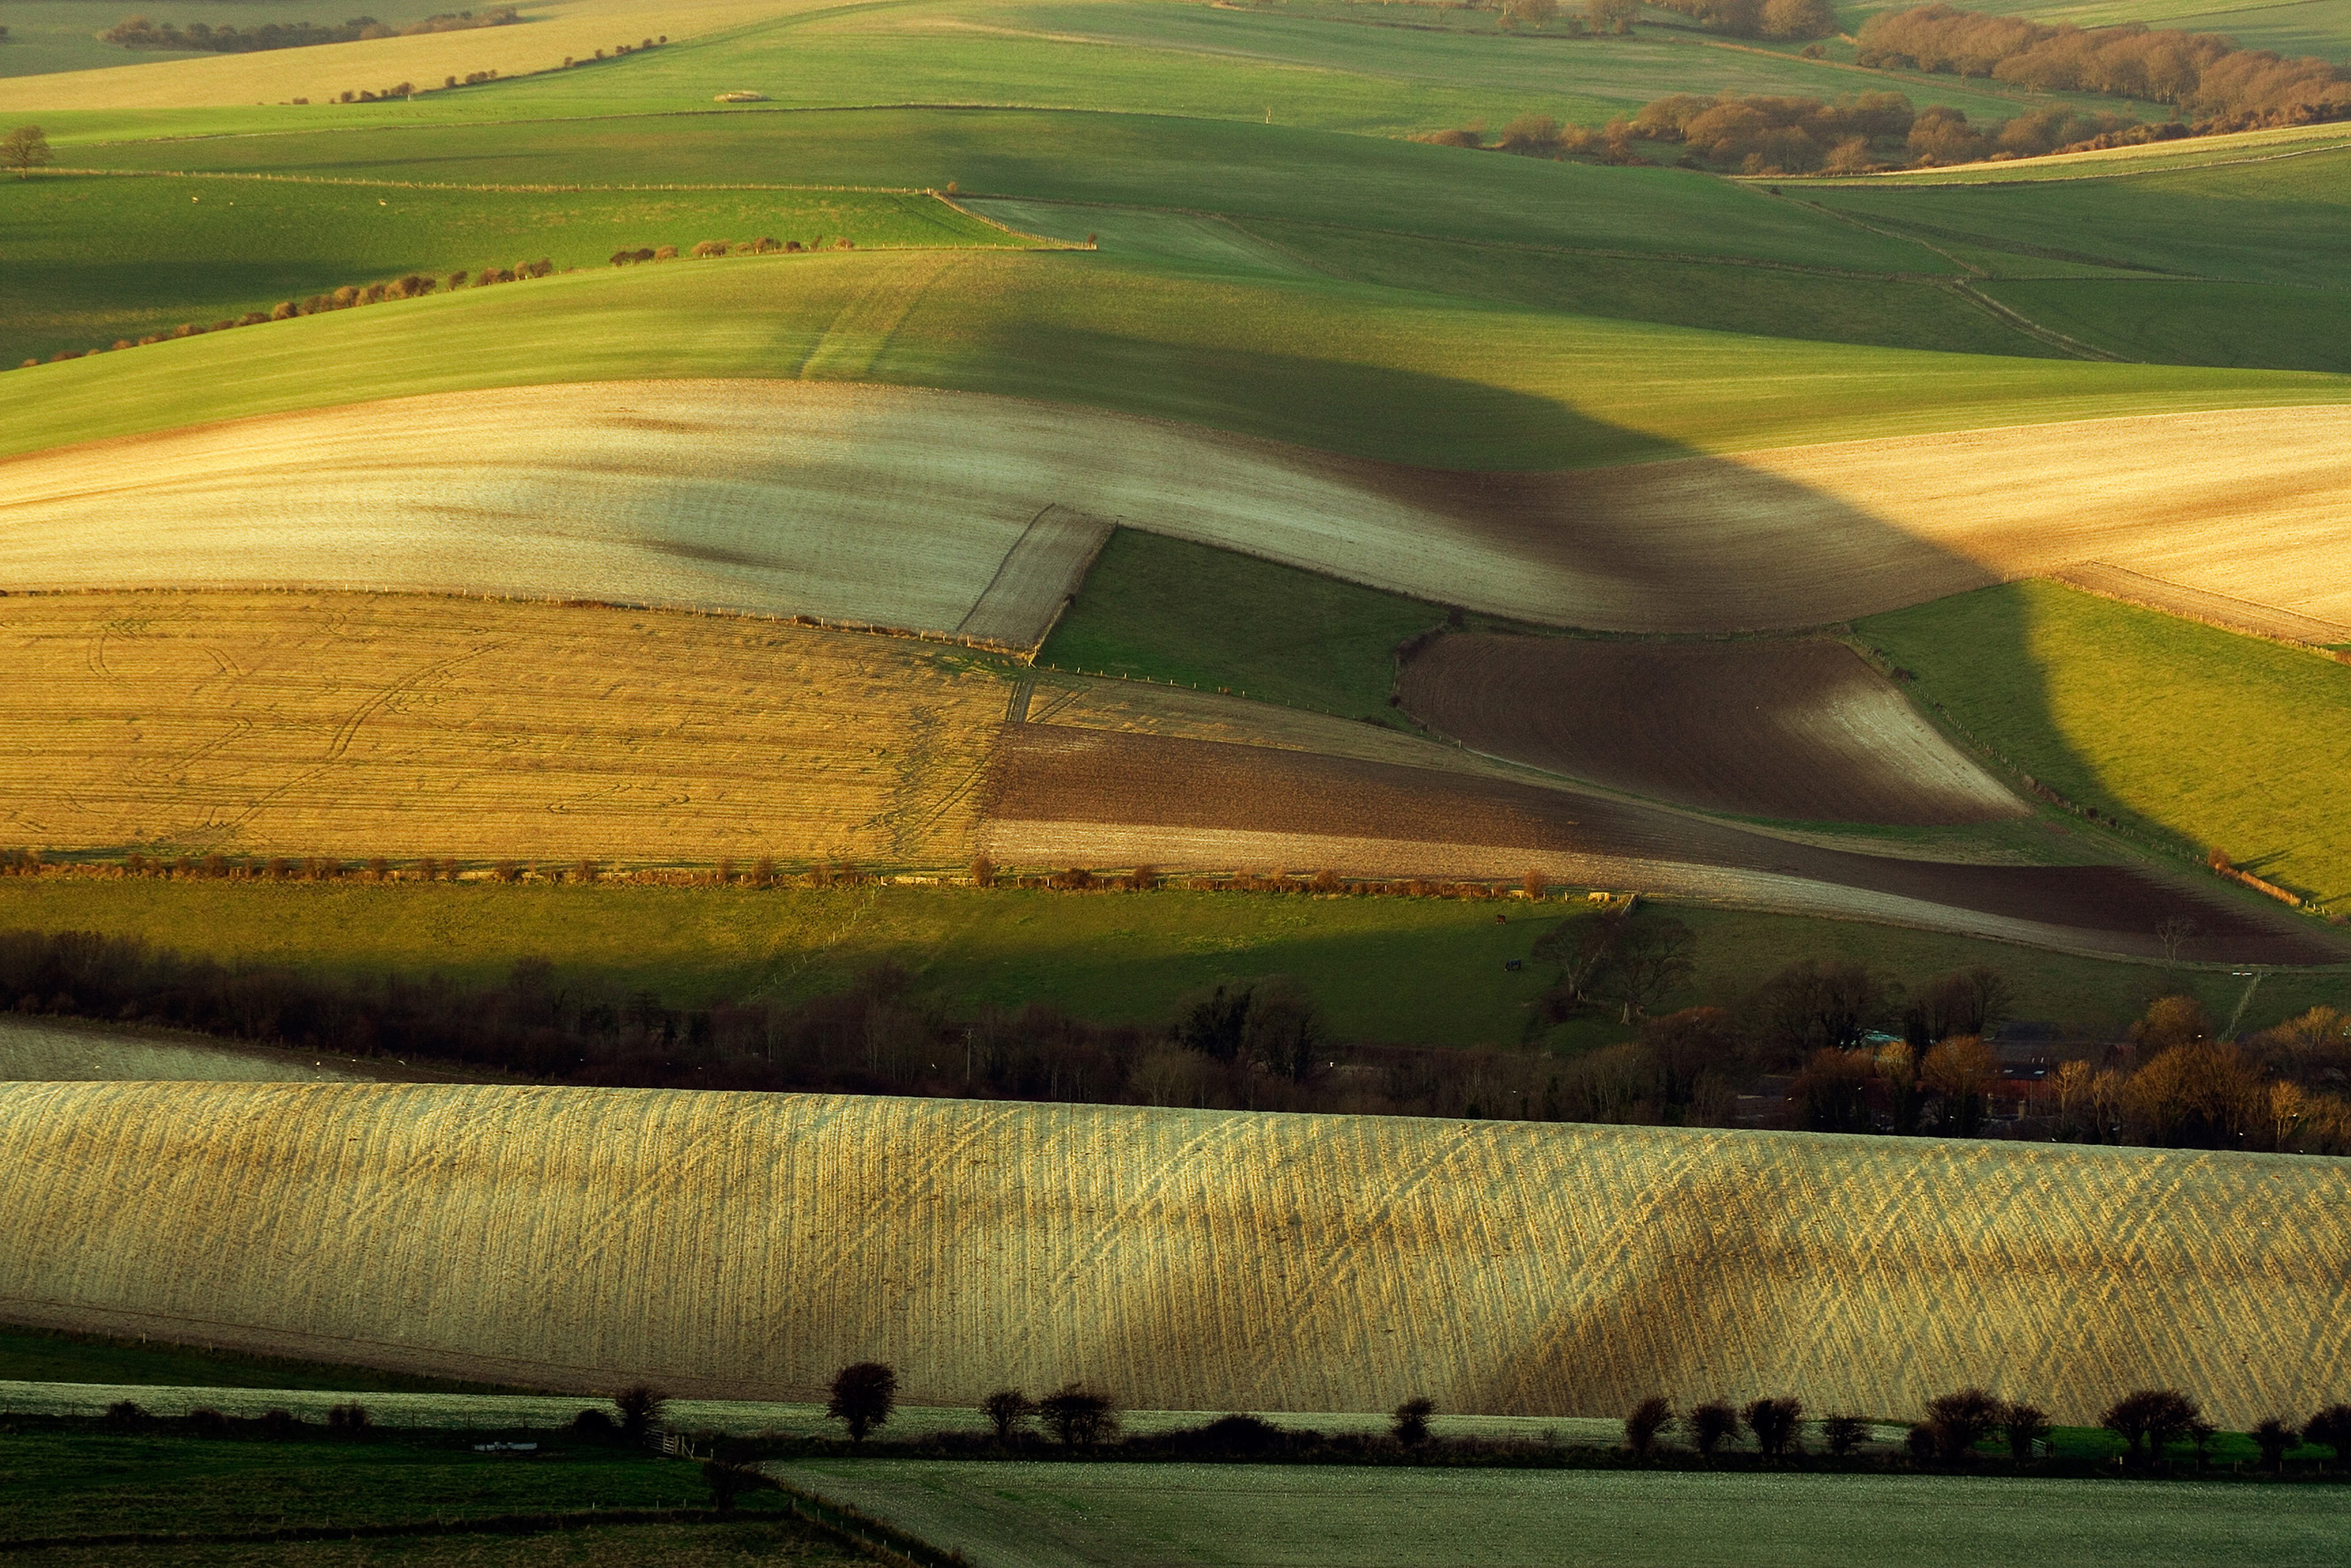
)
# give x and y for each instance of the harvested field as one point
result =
(1185, 1260)
(354, 725)
(901, 507)
(1801, 730)
(554, 30)
(1065, 796)
(36, 1051)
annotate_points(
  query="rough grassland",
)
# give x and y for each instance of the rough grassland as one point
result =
(351, 726)
(1186, 1259)
(1244, 1516)
(2222, 740)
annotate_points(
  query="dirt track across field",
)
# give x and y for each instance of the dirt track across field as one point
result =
(1110, 797)
(902, 506)
(1797, 729)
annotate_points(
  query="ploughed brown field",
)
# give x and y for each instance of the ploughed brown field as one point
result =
(1106, 796)
(358, 725)
(908, 507)
(1800, 729)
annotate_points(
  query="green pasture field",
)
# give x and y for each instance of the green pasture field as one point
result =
(2284, 220)
(1126, 160)
(1729, 297)
(1147, 56)
(44, 1355)
(755, 1538)
(210, 248)
(2272, 326)
(78, 1483)
(1175, 611)
(1402, 970)
(1160, 1516)
(1342, 367)
(2217, 740)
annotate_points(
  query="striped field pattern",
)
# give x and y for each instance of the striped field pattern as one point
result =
(745, 1244)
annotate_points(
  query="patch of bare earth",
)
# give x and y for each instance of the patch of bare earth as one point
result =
(902, 506)
(355, 725)
(1800, 729)
(1055, 795)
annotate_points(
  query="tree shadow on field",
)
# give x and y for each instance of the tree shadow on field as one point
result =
(1666, 558)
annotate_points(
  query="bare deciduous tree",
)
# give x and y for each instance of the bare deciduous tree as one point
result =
(1711, 1424)
(1410, 1421)
(1649, 1418)
(1008, 1410)
(863, 1396)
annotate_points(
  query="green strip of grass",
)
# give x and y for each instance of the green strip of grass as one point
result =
(65, 1483)
(2216, 739)
(1345, 367)
(1410, 971)
(44, 1355)
(1172, 611)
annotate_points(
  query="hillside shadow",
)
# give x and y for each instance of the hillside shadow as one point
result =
(1801, 557)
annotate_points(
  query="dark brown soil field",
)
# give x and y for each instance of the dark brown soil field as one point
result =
(1798, 730)
(1046, 773)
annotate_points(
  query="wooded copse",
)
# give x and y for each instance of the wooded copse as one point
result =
(1777, 135)
(2201, 74)
(139, 33)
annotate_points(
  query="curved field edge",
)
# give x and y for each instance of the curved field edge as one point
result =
(1186, 1259)
(1350, 368)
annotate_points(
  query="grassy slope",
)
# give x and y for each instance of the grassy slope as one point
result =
(1413, 971)
(214, 248)
(2284, 221)
(1332, 365)
(1178, 612)
(2236, 148)
(1325, 1518)
(2216, 738)
(2194, 323)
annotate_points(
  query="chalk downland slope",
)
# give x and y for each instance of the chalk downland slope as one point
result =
(34, 1050)
(903, 507)
(1798, 730)
(1061, 795)
(352, 725)
(746, 1245)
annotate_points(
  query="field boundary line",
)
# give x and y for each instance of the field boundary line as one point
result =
(2011, 315)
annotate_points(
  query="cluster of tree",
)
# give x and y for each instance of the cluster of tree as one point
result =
(765, 244)
(2149, 1421)
(349, 1420)
(2177, 1087)
(1788, 19)
(1766, 134)
(2201, 74)
(139, 33)
(410, 286)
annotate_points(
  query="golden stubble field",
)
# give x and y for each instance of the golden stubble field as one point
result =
(940, 510)
(746, 1245)
(356, 724)
(551, 30)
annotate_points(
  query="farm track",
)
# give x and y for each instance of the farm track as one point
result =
(1795, 729)
(1099, 796)
(898, 507)
(356, 724)
(1182, 1260)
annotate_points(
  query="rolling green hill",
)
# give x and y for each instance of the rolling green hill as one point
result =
(1342, 367)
